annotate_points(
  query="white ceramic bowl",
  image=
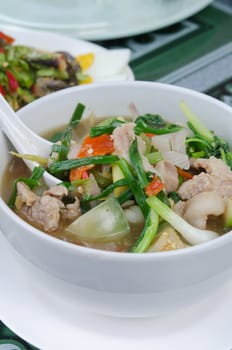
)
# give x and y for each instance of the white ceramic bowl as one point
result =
(122, 284)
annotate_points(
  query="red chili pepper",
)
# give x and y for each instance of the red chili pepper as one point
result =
(2, 90)
(85, 174)
(184, 173)
(8, 39)
(13, 84)
(154, 187)
(149, 134)
(92, 146)
(2, 50)
(80, 173)
(96, 146)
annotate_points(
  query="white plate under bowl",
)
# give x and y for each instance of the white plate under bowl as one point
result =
(32, 305)
(57, 42)
(98, 19)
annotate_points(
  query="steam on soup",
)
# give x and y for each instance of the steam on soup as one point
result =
(138, 184)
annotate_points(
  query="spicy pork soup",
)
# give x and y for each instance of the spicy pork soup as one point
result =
(138, 184)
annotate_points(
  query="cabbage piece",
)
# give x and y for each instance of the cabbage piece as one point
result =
(105, 222)
(172, 147)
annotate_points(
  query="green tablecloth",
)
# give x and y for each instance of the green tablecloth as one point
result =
(195, 53)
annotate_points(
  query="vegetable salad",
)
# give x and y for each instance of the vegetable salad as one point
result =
(27, 73)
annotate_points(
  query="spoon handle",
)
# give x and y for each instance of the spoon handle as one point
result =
(24, 140)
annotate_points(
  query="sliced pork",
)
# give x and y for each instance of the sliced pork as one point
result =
(217, 177)
(168, 174)
(58, 191)
(71, 210)
(197, 209)
(123, 136)
(45, 210)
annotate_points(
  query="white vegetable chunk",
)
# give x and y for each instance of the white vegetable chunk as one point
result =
(104, 222)
(134, 215)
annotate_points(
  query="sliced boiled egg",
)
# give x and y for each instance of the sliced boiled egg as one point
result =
(86, 60)
(104, 65)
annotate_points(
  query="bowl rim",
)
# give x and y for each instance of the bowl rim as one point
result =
(120, 256)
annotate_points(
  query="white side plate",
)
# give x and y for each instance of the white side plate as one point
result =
(32, 305)
(98, 19)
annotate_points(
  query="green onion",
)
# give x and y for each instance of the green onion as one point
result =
(195, 124)
(72, 185)
(107, 121)
(66, 134)
(154, 157)
(65, 144)
(142, 127)
(75, 163)
(37, 173)
(105, 129)
(134, 186)
(77, 115)
(164, 198)
(174, 196)
(125, 196)
(154, 121)
(199, 154)
(137, 163)
(85, 206)
(201, 143)
(148, 233)
(205, 143)
(191, 234)
(57, 136)
(100, 130)
(107, 190)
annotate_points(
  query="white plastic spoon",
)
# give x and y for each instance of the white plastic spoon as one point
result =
(24, 139)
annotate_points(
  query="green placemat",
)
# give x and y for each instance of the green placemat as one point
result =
(10, 341)
(159, 53)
